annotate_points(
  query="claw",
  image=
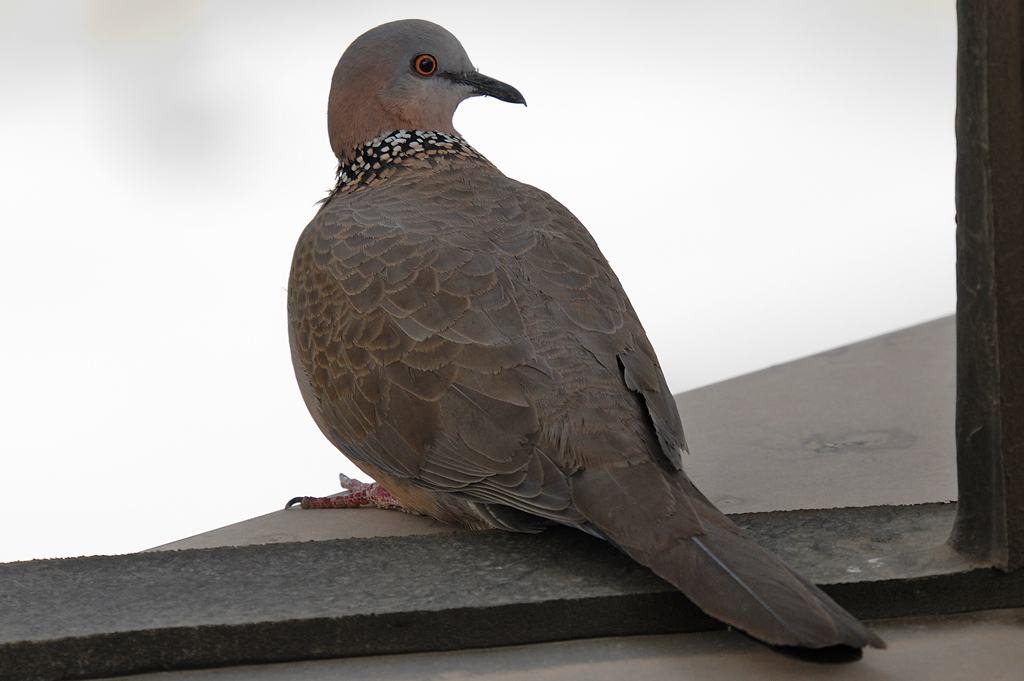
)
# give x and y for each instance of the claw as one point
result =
(360, 494)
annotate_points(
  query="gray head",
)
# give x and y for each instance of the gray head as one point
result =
(408, 75)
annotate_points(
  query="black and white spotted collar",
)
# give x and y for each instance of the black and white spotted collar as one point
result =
(393, 149)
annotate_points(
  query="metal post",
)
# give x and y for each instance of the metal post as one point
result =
(990, 281)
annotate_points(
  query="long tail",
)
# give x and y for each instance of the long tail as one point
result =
(665, 523)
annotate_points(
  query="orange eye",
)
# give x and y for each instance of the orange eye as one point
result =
(424, 64)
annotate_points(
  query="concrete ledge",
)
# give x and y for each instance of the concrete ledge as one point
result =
(965, 647)
(110, 615)
(296, 525)
(867, 424)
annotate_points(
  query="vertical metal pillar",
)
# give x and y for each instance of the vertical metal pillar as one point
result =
(990, 281)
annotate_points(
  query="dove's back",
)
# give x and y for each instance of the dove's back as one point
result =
(460, 336)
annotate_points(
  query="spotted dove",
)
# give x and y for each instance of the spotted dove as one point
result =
(461, 338)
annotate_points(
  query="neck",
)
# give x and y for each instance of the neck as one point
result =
(375, 160)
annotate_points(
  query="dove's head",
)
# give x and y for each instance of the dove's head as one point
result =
(407, 75)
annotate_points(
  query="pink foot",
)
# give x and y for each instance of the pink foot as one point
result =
(359, 494)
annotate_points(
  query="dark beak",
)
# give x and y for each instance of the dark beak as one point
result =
(482, 85)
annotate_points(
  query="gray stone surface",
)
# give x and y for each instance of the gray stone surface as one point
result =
(83, 596)
(862, 425)
(983, 645)
(106, 615)
(295, 524)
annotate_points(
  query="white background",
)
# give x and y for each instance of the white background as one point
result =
(769, 180)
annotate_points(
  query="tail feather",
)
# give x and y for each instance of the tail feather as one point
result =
(732, 578)
(722, 570)
(784, 629)
(849, 625)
